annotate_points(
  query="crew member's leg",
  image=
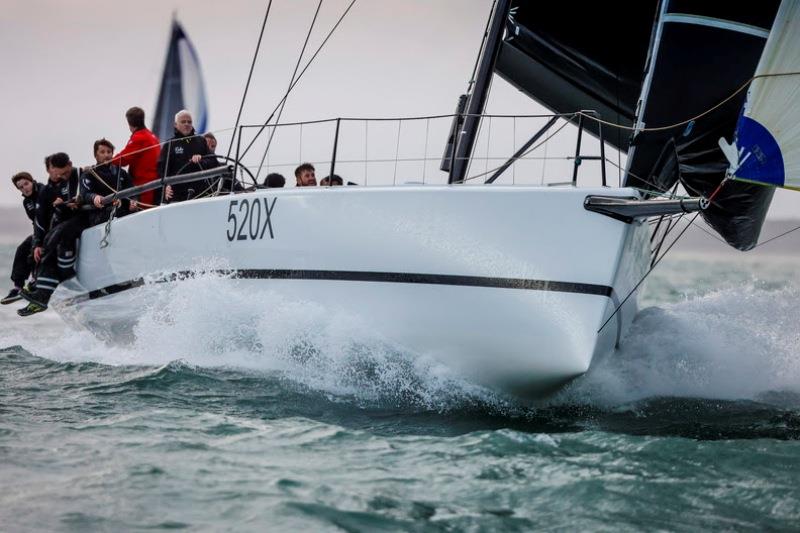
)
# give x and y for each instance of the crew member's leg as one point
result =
(56, 265)
(68, 245)
(20, 270)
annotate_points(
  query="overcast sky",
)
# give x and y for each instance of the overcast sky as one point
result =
(71, 69)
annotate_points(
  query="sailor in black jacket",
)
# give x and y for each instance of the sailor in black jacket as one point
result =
(183, 154)
(58, 198)
(102, 180)
(57, 226)
(23, 258)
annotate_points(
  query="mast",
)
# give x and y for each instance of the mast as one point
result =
(480, 90)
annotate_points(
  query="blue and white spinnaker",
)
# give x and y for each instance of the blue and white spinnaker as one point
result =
(766, 148)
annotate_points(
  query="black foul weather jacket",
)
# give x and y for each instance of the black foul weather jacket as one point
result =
(29, 202)
(102, 181)
(175, 158)
(48, 215)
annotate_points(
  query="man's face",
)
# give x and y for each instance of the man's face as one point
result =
(60, 174)
(25, 187)
(184, 124)
(212, 143)
(307, 178)
(52, 173)
(104, 154)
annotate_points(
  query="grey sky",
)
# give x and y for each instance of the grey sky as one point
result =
(71, 69)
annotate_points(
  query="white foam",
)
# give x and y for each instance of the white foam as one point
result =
(210, 321)
(733, 343)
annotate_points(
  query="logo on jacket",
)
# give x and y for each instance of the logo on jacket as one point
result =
(179, 149)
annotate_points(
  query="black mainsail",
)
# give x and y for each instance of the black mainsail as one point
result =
(657, 64)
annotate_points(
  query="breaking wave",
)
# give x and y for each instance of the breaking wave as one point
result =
(737, 343)
(308, 345)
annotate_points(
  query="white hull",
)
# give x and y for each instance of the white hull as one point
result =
(507, 286)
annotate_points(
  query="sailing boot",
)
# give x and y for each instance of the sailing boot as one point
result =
(12, 296)
(31, 309)
(37, 301)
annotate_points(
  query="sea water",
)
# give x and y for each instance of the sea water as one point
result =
(262, 420)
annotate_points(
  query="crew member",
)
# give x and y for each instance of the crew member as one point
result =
(183, 154)
(333, 179)
(23, 258)
(140, 155)
(274, 181)
(57, 225)
(101, 180)
(305, 175)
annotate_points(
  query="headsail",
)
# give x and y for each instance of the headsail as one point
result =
(181, 85)
(695, 57)
(767, 141)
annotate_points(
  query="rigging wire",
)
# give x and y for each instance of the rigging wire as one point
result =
(249, 78)
(294, 73)
(670, 226)
(488, 143)
(776, 237)
(299, 77)
(425, 155)
(652, 267)
(396, 152)
(658, 259)
(514, 145)
(696, 225)
(704, 230)
(566, 123)
(483, 45)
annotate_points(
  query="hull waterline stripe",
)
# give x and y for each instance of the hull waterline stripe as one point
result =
(348, 275)
(426, 279)
(379, 277)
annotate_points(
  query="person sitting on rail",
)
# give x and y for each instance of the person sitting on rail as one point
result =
(23, 258)
(211, 142)
(212, 161)
(305, 175)
(57, 225)
(102, 180)
(183, 154)
(140, 155)
(274, 181)
(333, 179)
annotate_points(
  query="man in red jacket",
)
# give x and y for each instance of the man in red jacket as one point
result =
(140, 154)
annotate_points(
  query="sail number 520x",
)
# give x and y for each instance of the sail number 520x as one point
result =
(249, 219)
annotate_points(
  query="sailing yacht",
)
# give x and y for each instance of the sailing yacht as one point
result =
(516, 287)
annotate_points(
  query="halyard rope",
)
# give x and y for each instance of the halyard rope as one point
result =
(695, 118)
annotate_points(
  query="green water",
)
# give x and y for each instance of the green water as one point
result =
(693, 425)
